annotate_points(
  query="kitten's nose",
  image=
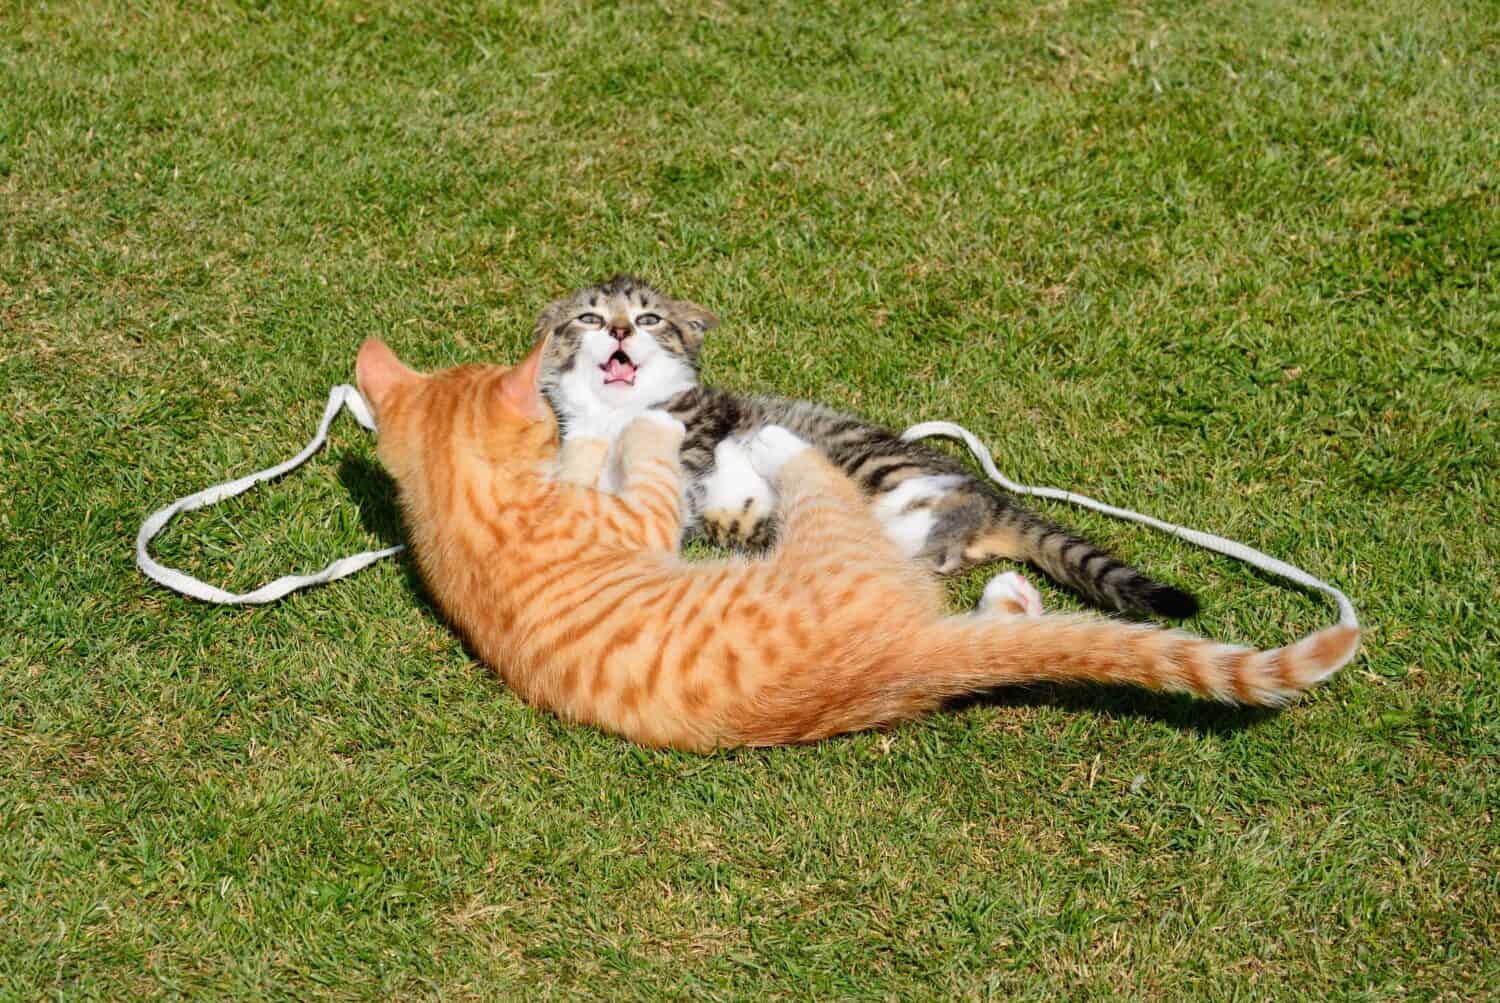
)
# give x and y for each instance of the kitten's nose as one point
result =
(620, 333)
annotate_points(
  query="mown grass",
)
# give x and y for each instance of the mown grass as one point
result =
(1235, 264)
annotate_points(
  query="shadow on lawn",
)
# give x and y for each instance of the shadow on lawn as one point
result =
(1201, 717)
(374, 494)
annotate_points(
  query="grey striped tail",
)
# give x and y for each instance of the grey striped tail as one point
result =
(1082, 566)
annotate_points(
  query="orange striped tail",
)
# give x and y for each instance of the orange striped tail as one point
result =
(957, 656)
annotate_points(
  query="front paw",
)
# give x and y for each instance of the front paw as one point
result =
(771, 447)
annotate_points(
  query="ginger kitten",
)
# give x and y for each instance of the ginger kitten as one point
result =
(578, 599)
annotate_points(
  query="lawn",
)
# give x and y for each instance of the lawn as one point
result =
(1236, 264)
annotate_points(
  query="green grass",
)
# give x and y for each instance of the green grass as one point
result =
(1234, 264)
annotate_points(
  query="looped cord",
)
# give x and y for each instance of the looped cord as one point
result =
(1208, 541)
(341, 396)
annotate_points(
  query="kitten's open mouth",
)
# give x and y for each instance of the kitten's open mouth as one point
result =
(619, 369)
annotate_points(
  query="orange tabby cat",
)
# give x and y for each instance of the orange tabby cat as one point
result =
(580, 601)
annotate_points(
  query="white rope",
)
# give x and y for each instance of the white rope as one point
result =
(339, 397)
(1209, 541)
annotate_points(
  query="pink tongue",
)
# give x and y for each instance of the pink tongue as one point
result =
(616, 371)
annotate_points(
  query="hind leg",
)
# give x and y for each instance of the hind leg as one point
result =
(820, 506)
(971, 532)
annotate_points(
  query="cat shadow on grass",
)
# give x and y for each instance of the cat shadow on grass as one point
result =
(374, 493)
(1202, 717)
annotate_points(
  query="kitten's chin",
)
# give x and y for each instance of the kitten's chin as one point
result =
(618, 394)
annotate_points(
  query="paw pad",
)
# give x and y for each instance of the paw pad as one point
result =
(749, 528)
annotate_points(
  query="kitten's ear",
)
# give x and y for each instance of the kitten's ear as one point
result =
(552, 315)
(377, 372)
(696, 319)
(521, 387)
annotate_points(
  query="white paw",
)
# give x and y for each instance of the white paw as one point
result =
(771, 447)
(600, 423)
(1010, 593)
(734, 481)
(657, 416)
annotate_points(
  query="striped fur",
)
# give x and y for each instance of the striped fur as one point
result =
(579, 599)
(933, 504)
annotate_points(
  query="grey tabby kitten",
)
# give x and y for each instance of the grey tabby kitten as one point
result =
(619, 348)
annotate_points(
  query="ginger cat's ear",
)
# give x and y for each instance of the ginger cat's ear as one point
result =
(521, 387)
(377, 372)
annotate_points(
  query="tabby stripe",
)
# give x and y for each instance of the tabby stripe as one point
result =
(1239, 665)
(1097, 555)
(656, 508)
(794, 628)
(653, 469)
(661, 538)
(1282, 669)
(625, 534)
(742, 582)
(859, 458)
(630, 579)
(674, 607)
(689, 657)
(710, 605)
(564, 531)
(1068, 548)
(658, 494)
(877, 480)
(622, 638)
(732, 668)
(564, 567)
(677, 618)
(573, 631)
(655, 472)
(481, 514)
(852, 590)
(646, 604)
(570, 601)
(656, 534)
(852, 436)
(1239, 681)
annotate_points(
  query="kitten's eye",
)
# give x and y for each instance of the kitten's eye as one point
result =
(648, 319)
(591, 319)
